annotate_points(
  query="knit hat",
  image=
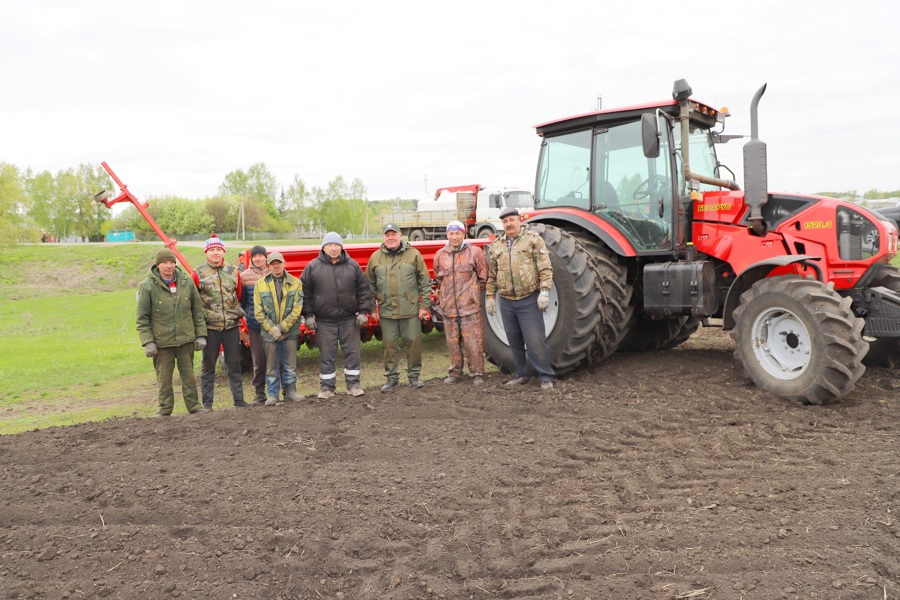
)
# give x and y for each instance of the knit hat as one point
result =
(509, 210)
(455, 226)
(256, 250)
(332, 237)
(163, 255)
(214, 242)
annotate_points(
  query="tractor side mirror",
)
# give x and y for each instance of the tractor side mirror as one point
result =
(650, 135)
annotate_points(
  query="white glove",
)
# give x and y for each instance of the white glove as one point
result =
(275, 332)
(150, 349)
(362, 319)
(491, 306)
(543, 300)
(311, 323)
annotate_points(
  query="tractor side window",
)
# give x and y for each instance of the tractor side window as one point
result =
(631, 191)
(564, 172)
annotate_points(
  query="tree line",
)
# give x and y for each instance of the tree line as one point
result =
(60, 205)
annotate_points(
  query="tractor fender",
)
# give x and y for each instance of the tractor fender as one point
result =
(600, 229)
(754, 273)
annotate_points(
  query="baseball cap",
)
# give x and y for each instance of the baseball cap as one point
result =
(390, 227)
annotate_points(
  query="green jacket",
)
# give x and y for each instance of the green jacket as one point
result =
(270, 313)
(400, 281)
(518, 272)
(168, 319)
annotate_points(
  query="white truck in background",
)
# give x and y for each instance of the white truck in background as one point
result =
(478, 208)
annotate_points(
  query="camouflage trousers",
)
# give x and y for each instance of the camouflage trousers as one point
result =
(465, 335)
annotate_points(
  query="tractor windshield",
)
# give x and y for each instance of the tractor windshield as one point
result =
(702, 154)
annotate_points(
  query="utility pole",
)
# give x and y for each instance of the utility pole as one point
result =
(599, 102)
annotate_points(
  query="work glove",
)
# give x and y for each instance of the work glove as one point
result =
(150, 349)
(199, 344)
(362, 319)
(491, 306)
(543, 300)
(311, 323)
(275, 332)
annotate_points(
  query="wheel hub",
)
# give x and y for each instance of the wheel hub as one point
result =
(781, 343)
(551, 315)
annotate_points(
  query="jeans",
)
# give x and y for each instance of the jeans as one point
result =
(281, 356)
(523, 322)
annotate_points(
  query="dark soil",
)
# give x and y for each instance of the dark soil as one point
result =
(660, 475)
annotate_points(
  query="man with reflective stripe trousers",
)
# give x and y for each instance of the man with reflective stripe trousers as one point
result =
(336, 303)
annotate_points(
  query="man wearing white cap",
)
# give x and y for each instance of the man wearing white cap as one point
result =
(220, 290)
(336, 303)
(461, 273)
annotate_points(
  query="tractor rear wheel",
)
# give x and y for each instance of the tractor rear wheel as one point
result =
(885, 352)
(647, 335)
(688, 328)
(577, 306)
(799, 339)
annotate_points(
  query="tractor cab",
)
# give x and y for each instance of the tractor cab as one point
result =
(597, 163)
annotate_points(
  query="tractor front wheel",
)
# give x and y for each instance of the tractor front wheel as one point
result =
(799, 339)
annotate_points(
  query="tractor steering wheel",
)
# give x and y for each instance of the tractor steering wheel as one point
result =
(643, 190)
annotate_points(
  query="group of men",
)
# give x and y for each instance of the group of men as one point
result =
(179, 314)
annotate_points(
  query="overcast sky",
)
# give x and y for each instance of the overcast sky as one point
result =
(412, 96)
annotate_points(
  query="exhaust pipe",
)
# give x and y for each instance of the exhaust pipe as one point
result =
(755, 169)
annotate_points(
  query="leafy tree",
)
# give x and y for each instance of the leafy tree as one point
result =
(14, 227)
(257, 182)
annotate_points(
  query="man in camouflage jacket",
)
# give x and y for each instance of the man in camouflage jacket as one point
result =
(171, 326)
(400, 282)
(519, 270)
(461, 273)
(220, 290)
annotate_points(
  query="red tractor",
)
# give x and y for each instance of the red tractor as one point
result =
(647, 240)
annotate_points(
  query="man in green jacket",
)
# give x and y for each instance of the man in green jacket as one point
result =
(400, 282)
(277, 305)
(171, 326)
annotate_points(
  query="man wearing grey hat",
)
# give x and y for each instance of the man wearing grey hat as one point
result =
(277, 305)
(400, 281)
(336, 304)
(519, 270)
(171, 325)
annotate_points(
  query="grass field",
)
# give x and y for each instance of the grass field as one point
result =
(70, 351)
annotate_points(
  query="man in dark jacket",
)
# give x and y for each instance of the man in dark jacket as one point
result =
(254, 272)
(400, 282)
(171, 326)
(336, 303)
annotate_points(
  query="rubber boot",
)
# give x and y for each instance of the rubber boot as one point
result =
(290, 393)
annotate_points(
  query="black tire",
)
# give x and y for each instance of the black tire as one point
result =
(885, 352)
(576, 310)
(688, 328)
(647, 335)
(616, 309)
(417, 235)
(485, 233)
(799, 339)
